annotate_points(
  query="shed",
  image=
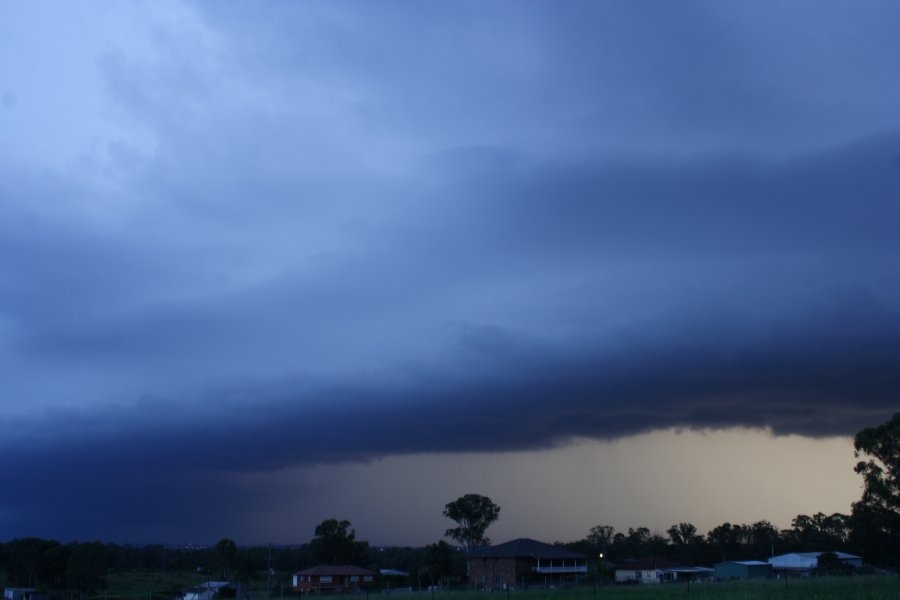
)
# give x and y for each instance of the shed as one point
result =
(743, 569)
(19, 593)
(806, 562)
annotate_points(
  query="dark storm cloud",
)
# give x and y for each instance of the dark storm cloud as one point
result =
(817, 380)
(743, 293)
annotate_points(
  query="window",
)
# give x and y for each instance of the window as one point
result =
(325, 579)
(354, 578)
(367, 578)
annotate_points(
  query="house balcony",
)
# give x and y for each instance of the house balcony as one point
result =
(560, 569)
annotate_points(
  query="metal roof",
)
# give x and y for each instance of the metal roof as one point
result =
(690, 570)
(335, 570)
(524, 548)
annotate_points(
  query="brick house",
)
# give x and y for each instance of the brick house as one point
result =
(520, 561)
(332, 578)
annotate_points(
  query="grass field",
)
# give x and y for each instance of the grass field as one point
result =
(151, 586)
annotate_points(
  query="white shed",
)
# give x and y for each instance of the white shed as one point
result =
(808, 561)
(794, 562)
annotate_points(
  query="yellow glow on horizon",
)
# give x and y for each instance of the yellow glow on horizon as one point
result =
(653, 480)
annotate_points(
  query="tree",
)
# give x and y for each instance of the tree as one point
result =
(875, 519)
(818, 531)
(438, 561)
(25, 557)
(763, 537)
(682, 534)
(54, 566)
(828, 563)
(686, 542)
(601, 537)
(474, 514)
(726, 540)
(223, 556)
(86, 568)
(335, 544)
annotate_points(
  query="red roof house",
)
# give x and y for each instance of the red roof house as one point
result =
(332, 578)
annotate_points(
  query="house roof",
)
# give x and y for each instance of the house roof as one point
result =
(335, 570)
(524, 548)
(651, 563)
(746, 563)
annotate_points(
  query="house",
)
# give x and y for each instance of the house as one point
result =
(646, 570)
(804, 563)
(332, 578)
(743, 569)
(521, 561)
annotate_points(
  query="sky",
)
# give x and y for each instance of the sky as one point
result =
(606, 262)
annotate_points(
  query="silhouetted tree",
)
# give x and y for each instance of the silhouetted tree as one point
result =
(247, 564)
(335, 543)
(686, 542)
(726, 541)
(601, 538)
(763, 537)
(875, 520)
(474, 514)
(86, 569)
(24, 558)
(819, 531)
(438, 560)
(54, 565)
(222, 556)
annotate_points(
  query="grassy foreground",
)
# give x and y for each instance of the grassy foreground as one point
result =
(873, 587)
(136, 586)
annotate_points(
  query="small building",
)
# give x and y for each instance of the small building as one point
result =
(20, 594)
(209, 590)
(685, 574)
(804, 563)
(393, 578)
(332, 578)
(393, 573)
(522, 560)
(743, 569)
(646, 570)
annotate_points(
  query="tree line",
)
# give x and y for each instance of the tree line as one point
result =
(685, 544)
(51, 565)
